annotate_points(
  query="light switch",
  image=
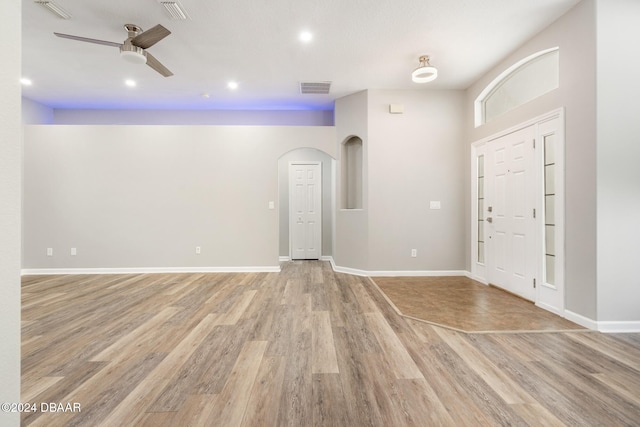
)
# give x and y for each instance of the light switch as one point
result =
(434, 204)
(272, 205)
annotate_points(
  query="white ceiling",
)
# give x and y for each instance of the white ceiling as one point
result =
(357, 44)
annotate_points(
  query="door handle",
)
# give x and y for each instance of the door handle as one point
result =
(489, 220)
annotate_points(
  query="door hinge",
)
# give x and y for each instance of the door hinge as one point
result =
(534, 283)
(534, 212)
(534, 143)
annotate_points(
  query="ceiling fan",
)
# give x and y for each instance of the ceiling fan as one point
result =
(134, 47)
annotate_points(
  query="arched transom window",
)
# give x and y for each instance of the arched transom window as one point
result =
(524, 81)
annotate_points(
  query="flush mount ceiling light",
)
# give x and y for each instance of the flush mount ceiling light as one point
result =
(232, 85)
(54, 8)
(425, 72)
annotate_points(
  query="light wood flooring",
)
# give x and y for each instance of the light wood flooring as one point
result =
(467, 305)
(304, 347)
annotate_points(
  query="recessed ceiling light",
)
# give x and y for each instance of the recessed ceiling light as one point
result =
(232, 85)
(306, 36)
(130, 83)
(26, 82)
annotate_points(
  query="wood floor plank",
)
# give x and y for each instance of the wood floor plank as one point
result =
(133, 338)
(263, 406)
(610, 347)
(323, 350)
(400, 361)
(356, 382)
(28, 393)
(230, 405)
(176, 358)
(329, 407)
(501, 383)
(131, 409)
(305, 346)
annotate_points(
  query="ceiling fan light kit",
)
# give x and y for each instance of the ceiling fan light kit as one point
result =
(134, 48)
(425, 72)
(133, 54)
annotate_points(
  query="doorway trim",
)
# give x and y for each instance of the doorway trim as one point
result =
(549, 297)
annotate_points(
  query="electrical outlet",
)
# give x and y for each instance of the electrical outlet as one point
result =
(414, 253)
(49, 251)
(74, 252)
(197, 250)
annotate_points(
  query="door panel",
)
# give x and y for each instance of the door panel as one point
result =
(305, 210)
(511, 187)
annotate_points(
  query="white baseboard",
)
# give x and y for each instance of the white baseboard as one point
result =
(476, 278)
(605, 326)
(51, 271)
(619, 327)
(552, 309)
(581, 320)
(395, 273)
(284, 259)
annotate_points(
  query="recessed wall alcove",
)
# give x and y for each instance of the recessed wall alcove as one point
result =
(351, 173)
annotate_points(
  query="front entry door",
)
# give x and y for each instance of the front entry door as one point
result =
(305, 199)
(509, 212)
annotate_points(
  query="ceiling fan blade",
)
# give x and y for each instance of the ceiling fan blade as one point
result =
(156, 65)
(150, 37)
(85, 39)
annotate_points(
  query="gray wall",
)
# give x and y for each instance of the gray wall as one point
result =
(618, 177)
(194, 117)
(409, 160)
(34, 113)
(10, 223)
(575, 34)
(328, 190)
(414, 158)
(146, 196)
(352, 237)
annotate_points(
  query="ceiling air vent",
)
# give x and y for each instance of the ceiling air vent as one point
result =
(175, 10)
(317, 88)
(54, 8)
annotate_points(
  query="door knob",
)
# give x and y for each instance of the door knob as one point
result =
(489, 220)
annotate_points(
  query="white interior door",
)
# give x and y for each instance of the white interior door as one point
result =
(509, 212)
(305, 207)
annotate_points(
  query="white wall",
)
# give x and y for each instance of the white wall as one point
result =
(10, 182)
(194, 117)
(414, 158)
(328, 193)
(34, 113)
(618, 185)
(146, 196)
(575, 34)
